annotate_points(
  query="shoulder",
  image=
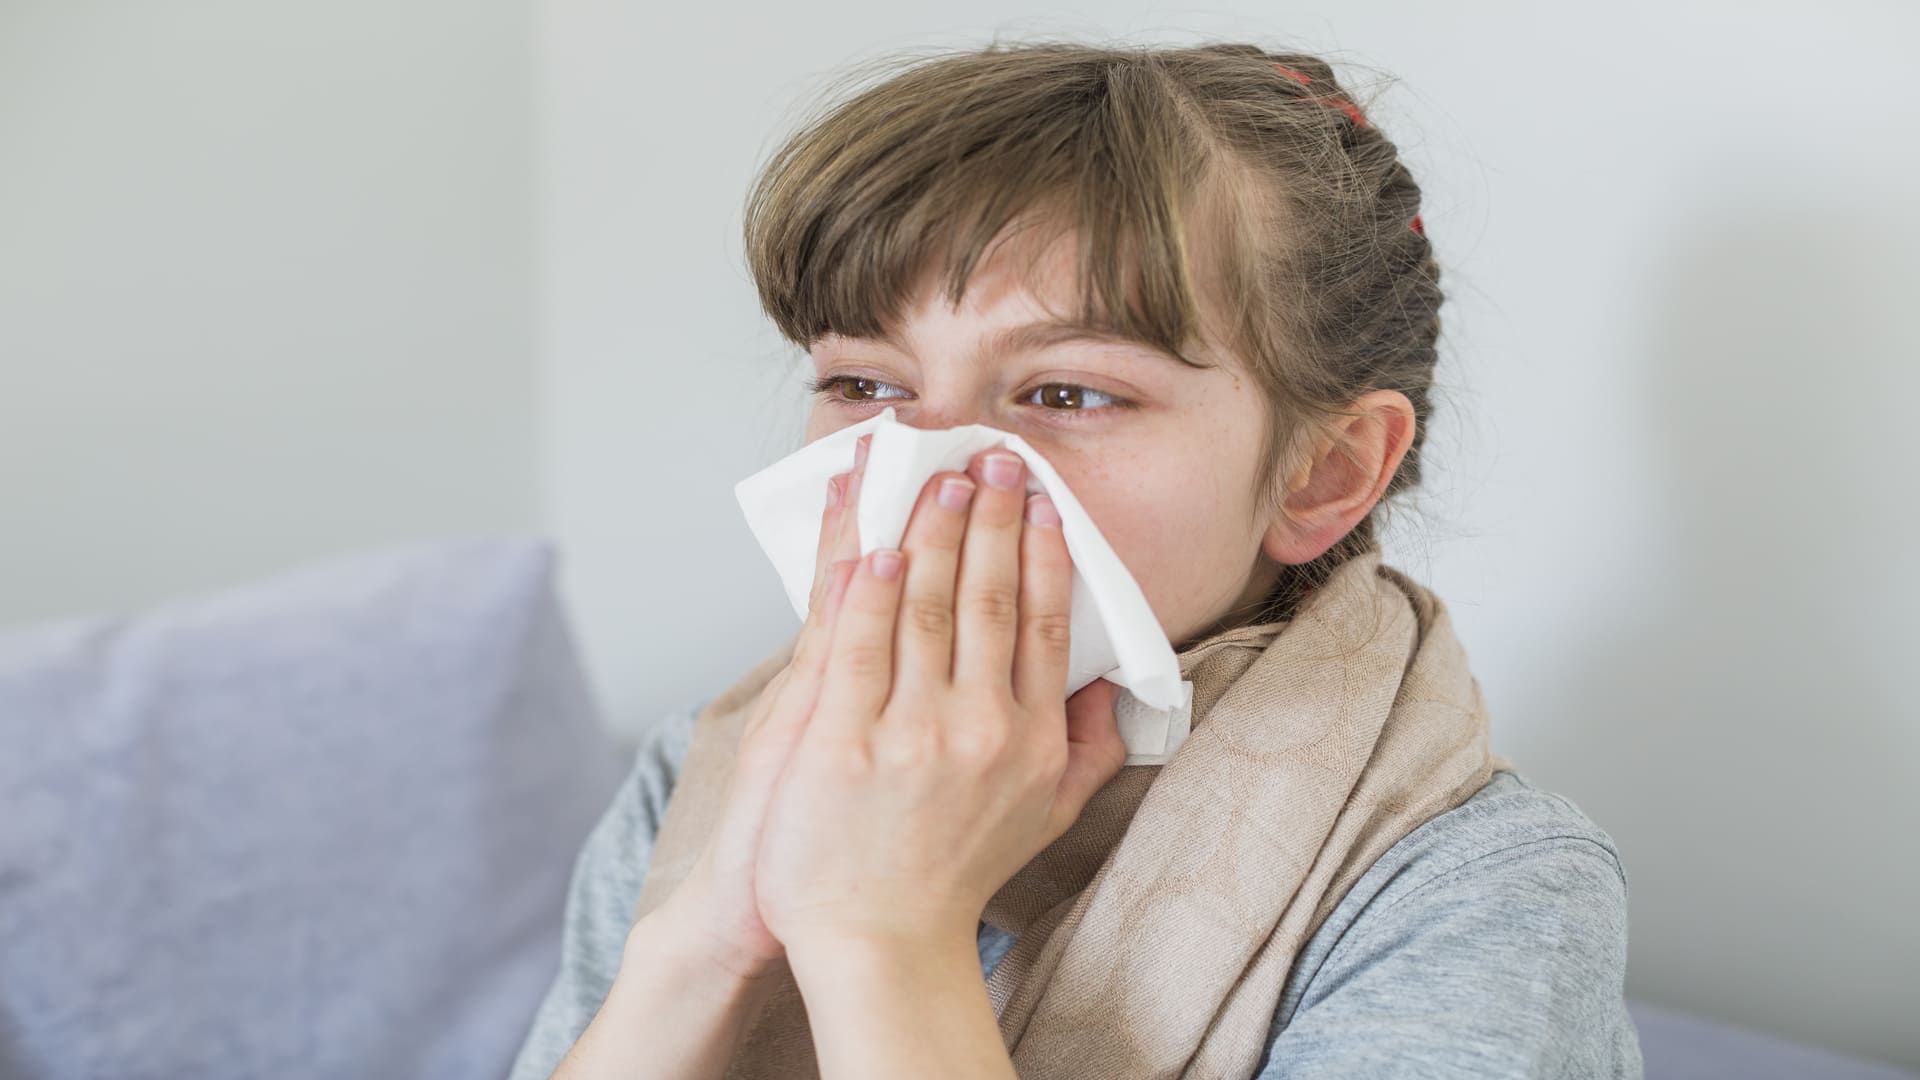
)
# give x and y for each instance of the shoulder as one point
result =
(1512, 839)
(1493, 937)
(656, 766)
(637, 808)
(1509, 822)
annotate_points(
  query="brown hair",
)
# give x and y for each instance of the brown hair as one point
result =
(1206, 189)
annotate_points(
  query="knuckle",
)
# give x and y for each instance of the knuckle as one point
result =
(996, 603)
(818, 596)
(941, 536)
(810, 651)
(980, 743)
(931, 615)
(1051, 628)
(907, 746)
(849, 760)
(866, 658)
(806, 654)
(988, 703)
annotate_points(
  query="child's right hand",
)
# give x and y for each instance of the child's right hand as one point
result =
(715, 905)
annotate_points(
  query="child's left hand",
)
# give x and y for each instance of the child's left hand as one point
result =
(942, 754)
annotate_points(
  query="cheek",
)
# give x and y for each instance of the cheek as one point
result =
(824, 420)
(1169, 526)
(818, 423)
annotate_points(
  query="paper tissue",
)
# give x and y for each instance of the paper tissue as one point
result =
(1115, 634)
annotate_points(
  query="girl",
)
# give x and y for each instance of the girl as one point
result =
(1196, 281)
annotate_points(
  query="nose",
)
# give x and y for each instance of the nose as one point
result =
(933, 415)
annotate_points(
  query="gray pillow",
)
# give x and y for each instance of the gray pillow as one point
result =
(318, 827)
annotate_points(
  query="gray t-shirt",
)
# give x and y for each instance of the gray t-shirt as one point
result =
(1489, 942)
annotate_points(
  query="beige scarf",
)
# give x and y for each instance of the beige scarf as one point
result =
(1155, 935)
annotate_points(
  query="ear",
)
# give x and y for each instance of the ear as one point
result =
(1346, 473)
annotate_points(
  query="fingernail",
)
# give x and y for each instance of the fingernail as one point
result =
(886, 564)
(955, 493)
(833, 491)
(860, 451)
(1002, 470)
(1041, 511)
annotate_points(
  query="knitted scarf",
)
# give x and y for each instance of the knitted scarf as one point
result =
(1155, 935)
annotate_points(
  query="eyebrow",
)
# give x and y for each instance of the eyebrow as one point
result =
(1046, 333)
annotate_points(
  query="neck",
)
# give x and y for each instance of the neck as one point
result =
(1254, 603)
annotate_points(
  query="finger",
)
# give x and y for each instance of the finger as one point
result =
(846, 544)
(987, 597)
(1046, 597)
(796, 697)
(823, 551)
(815, 667)
(810, 648)
(1095, 752)
(842, 573)
(859, 673)
(924, 633)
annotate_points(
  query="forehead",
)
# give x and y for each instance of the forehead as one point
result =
(1023, 295)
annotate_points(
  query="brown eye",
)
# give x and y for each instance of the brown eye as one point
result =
(1069, 397)
(833, 386)
(1060, 395)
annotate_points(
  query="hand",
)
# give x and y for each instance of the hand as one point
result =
(942, 753)
(715, 905)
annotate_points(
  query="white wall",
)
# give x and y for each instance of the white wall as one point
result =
(1670, 504)
(265, 288)
(274, 280)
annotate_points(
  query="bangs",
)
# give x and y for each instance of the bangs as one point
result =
(907, 184)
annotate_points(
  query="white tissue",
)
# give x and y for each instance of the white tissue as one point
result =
(1115, 634)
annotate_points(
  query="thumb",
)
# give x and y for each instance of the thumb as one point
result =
(1094, 750)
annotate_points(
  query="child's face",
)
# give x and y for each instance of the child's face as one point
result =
(1168, 481)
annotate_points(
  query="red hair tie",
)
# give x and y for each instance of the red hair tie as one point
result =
(1353, 113)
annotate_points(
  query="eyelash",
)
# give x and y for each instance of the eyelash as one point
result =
(825, 387)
